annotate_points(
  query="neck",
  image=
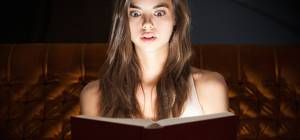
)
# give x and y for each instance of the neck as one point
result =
(151, 63)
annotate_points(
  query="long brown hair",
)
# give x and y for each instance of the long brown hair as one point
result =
(121, 74)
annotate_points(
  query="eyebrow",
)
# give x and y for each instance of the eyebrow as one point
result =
(156, 6)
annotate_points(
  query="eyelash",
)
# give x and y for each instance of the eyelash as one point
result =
(134, 13)
(158, 13)
(162, 12)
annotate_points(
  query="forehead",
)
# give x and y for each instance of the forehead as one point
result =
(150, 4)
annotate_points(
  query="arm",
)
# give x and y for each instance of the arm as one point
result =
(89, 99)
(212, 92)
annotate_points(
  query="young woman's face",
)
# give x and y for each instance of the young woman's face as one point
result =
(151, 23)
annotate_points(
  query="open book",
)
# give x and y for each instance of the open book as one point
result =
(221, 126)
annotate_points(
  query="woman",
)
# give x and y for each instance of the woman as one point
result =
(147, 73)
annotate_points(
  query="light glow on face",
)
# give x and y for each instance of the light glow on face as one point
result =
(151, 23)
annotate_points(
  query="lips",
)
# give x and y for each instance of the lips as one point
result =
(148, 37)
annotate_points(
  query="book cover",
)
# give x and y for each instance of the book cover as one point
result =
(220, 126)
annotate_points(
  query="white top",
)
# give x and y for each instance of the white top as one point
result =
(192, 106)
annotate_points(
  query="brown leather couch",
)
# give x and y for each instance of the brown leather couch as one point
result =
(40, 86)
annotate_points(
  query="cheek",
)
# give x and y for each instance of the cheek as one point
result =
(165, 24)
(133, 29)
(166, 28)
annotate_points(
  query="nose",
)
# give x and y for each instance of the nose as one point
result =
(147, 23)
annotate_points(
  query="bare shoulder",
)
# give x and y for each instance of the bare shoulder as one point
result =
(89, 99)
(207, 77)
(90, 90)
(211, 89)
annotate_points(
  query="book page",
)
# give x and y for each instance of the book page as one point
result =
(174, 121)
(126, 121)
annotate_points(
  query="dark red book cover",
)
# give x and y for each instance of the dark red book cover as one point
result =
(222, 126)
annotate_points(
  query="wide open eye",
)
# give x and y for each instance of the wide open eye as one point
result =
(135, 13)
(160, 13)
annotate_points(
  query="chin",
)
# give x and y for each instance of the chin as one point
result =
(151, 48)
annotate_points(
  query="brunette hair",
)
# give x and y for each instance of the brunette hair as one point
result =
(121, 74)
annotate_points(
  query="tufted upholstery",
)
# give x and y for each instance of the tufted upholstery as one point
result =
(40, 86)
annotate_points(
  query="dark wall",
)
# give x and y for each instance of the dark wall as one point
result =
(213, 21)
(245, 21)
(18, 19)
(79, 20)
(56, 21)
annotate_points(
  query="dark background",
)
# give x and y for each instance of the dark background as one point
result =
(213, 21)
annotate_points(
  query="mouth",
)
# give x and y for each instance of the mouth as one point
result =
(148, 38)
